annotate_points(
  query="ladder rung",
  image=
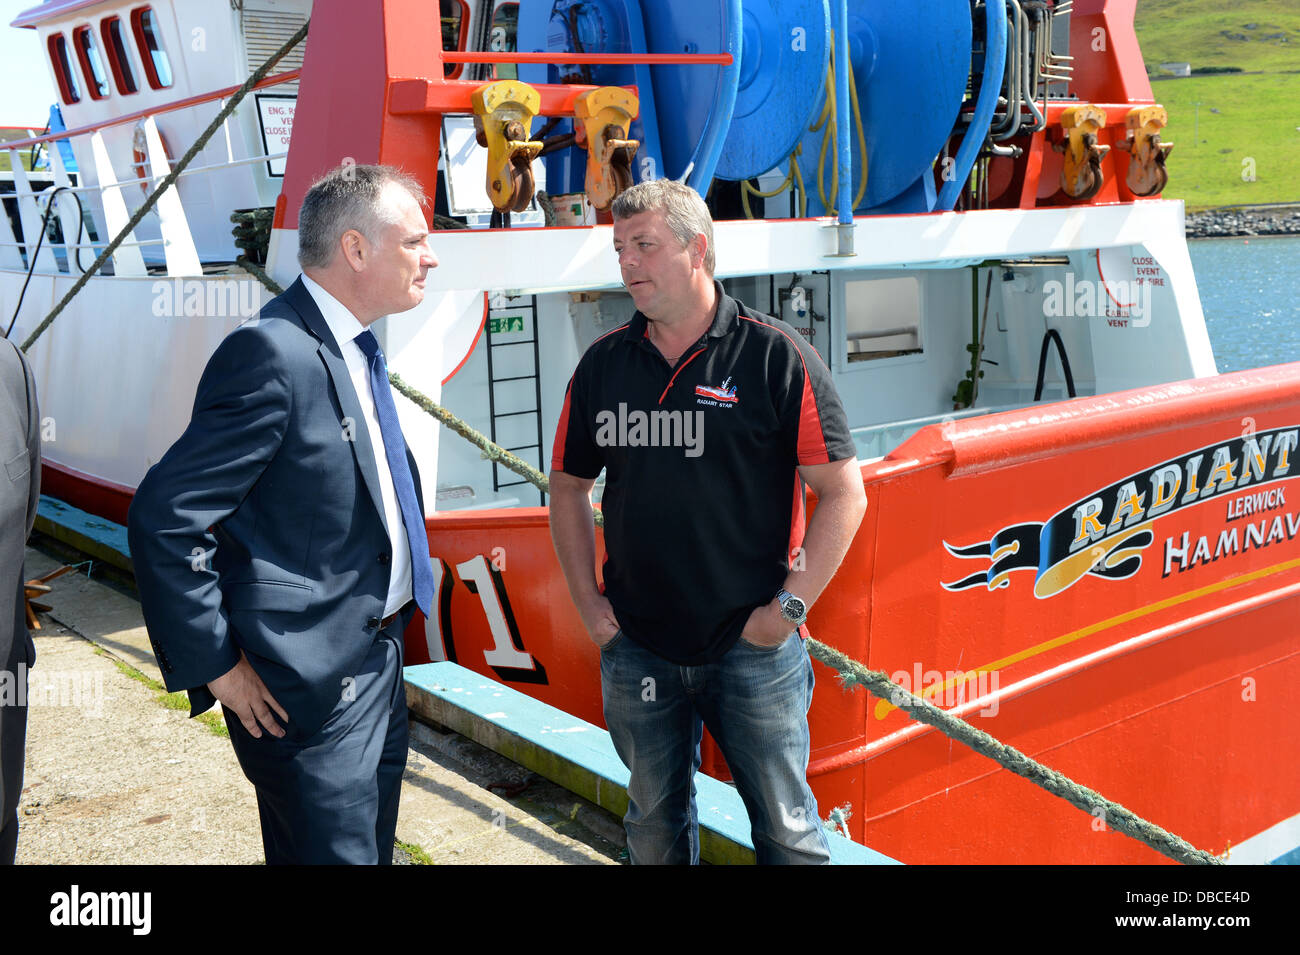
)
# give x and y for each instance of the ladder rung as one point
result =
(497, 381)
(511, 414)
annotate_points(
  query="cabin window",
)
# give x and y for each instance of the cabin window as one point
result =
(505, 20)
(148, 39)
(119, 61)
(91, 63)
(882, 317)
(69, 89)
(455, 27)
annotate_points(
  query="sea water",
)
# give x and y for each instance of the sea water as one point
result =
(1250, 293)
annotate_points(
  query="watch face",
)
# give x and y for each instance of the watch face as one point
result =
(793, 608)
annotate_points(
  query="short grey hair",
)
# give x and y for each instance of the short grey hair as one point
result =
(348, 197)
(684, 211)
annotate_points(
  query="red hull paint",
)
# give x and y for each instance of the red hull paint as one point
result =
(91, 494)
(1176, 727)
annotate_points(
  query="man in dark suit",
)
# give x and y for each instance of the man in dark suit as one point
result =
(20, 483)
(279, 545)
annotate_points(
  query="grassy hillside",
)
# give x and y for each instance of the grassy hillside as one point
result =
(1241, 116)
(1251, 34)
(1254, 117)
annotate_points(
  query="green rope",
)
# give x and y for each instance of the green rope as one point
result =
(490, 451)
(258, 75)
(548, 208)
(854, 673)
(1081, 797)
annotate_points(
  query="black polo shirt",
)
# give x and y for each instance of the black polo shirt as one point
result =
(703, 504)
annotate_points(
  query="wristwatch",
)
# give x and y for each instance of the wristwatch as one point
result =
(792, 608)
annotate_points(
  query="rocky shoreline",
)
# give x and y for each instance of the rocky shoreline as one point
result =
(1259, 220)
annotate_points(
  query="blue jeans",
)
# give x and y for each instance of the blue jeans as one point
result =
(755, 703)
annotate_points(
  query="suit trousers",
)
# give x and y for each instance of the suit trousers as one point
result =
(13, 733)
(332, 797)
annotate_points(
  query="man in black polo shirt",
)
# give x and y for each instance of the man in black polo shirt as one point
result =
(708, 419)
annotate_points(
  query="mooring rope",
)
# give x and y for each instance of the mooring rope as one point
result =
(490, 450)
(851, 672)
(258, 75)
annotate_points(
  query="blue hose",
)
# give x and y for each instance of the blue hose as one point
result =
(844, 200)
(709, 149)
(995, 62)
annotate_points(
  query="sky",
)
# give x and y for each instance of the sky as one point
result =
(26, 89)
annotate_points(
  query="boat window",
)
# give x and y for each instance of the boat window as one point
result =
(69, 89)
(91, 64)
(502, 38)
(455, 27)
(118, 59)
(882, 317)
(157, 68)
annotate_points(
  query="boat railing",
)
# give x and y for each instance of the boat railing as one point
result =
(877, 440)
(109, 196)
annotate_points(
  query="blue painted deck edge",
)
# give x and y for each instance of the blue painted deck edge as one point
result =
(100, 530)
(589, 746)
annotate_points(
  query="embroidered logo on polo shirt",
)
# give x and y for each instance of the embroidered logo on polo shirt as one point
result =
(725, 394)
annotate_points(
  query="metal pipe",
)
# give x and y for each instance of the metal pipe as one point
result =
(882, 333)
(581, 59)
(289, 76)
(189, 171)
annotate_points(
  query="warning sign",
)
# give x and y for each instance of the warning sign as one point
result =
(275, 115)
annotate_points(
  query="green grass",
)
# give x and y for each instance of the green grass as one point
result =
(418, 855)
(1257, 110)
(172, 701)
(1192, 31)
(1257, 118)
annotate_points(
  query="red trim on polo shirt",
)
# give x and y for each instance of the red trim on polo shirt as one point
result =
(561, 432)
(694, 355)
(812, 440)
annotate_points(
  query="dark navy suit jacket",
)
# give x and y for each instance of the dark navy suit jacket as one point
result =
(262, 527)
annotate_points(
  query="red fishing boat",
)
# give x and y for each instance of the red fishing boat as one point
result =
(1078, 534)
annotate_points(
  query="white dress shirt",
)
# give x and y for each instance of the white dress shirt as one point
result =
(345, 328)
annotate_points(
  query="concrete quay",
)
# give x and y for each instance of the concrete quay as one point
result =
(115, 774)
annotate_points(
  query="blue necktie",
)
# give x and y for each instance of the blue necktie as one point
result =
(403, 483)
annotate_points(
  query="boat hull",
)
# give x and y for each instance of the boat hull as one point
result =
(1161, 678)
